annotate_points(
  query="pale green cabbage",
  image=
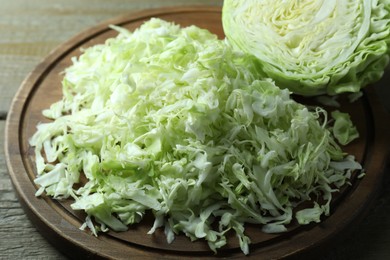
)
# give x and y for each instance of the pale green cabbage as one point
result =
(343, 128)
(313, 47)
(171, 120)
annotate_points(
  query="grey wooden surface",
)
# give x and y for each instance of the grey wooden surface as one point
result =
(29, 30)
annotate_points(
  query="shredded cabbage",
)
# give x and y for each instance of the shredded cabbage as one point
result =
(172, 121)
(313, 47)
(343, 128)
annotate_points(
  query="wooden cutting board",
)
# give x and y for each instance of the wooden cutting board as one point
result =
(60, 225)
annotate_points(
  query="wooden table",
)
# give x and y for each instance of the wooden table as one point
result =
(29, 30)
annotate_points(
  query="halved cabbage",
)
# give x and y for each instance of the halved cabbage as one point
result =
(313, 47)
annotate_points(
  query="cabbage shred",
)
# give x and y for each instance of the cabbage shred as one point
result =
(172, 121)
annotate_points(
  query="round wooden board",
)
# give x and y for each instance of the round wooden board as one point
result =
(61, 225)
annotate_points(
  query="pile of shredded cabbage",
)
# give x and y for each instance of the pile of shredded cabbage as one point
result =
(171, 121)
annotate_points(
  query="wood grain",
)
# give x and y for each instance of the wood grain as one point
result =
(60, 225)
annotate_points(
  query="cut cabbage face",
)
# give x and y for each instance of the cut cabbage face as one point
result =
(313, 47)
(173, 121)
